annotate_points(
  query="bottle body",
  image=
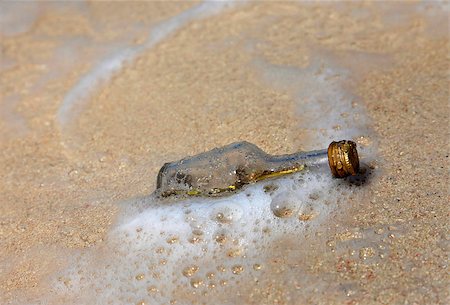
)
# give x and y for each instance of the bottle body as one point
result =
(228, 168)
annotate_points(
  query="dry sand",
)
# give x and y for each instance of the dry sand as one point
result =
(197, 89)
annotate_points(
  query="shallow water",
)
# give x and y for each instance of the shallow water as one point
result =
(96, 99)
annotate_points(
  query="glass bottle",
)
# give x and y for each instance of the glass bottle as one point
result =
(228, 168)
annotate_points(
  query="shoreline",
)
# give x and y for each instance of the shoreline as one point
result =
(58, 196)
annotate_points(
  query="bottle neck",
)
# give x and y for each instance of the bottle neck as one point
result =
(297, 161)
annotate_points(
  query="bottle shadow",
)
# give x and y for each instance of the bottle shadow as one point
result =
(364, 177)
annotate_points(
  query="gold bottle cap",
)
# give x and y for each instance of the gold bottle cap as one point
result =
(343, 158)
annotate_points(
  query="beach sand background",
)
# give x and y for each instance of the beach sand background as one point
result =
(95, 97)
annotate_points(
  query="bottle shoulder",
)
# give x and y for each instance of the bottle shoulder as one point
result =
(218, 168)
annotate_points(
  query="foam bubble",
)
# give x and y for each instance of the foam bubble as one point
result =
(283, 205)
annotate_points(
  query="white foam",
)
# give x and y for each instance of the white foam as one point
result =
(74, 100)
(155, 244)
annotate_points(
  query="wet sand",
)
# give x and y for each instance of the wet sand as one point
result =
(204, 86)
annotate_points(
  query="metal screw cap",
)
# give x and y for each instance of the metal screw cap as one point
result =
(343, 158)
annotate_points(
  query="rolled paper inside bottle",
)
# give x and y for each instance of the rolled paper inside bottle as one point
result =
(343, 158)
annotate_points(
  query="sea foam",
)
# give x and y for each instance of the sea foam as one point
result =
(190, 250)
(164, 251)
